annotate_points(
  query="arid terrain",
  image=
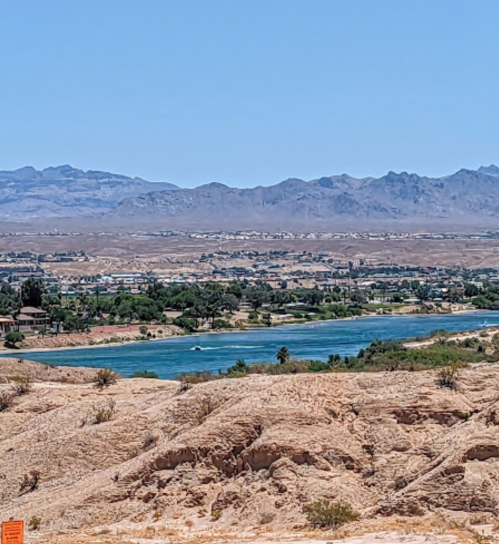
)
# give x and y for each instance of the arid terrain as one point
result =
(106, 334)
(236, 460)
(115, 252)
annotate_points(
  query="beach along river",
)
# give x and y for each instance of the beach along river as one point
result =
(171, 357)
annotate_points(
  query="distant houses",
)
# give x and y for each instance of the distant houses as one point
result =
(28, 319)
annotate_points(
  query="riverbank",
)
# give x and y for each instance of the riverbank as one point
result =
(117, 335)
(100, 336)
(177, 355)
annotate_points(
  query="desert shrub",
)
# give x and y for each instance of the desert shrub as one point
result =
(145, 374)
(331, 515)
(206, 406)
(448, 376)
(400, 483)
(6, 400)
(221, 324)
(438, 332)
(22, 385)
(318, 366)
(150, 440)
(105, 377)
(105, 413)
(30, 482)
(239, 368)
(216, 515)
(196, 377)
(472, 342)
(34, 523)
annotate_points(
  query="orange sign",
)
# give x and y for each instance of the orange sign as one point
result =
(13, 532)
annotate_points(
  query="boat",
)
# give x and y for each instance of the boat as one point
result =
(197, 348)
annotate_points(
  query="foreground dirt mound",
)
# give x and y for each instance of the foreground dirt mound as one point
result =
(250, 452)
(14, 368)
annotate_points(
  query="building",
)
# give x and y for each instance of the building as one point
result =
(30, 318)
(7, 324)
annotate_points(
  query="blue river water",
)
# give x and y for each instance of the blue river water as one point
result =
(173, 356)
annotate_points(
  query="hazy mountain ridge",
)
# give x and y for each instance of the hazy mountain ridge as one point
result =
(468, 195)
(64, 191)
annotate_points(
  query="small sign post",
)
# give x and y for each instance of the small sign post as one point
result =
(13, 532)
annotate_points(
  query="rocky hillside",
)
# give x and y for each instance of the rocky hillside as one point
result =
(243, 456)
(466, 197)
(64, 191)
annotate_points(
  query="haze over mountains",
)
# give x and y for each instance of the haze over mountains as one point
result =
(64, 191)
(466, 198)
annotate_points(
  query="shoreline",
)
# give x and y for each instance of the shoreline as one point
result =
(5, 352)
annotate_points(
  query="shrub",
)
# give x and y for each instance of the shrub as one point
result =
(216, 515)
(6, 400)
(34, 523)
(13, 338)
(324, 513)
(145, 374)
(105, 413)
(196, 377)
(205, 408)
(221, 324)
(22, 385)
(30, 482)
(150, 440)
(239, 368)
(105, 377)
(186, 323)
(448, 376)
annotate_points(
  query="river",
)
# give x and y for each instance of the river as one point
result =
(318, 340)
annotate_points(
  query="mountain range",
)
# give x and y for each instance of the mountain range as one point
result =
(468, 197)
(64, 191)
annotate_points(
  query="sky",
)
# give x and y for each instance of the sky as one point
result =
(249, 92)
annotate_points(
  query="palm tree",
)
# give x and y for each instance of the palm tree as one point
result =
(283, 355)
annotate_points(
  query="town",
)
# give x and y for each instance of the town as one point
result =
(48, 295)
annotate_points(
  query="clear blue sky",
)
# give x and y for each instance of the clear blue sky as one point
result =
(249, 92)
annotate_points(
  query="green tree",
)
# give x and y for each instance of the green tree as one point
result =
(471, 290)
(422, 293)
(239, 368)
(283, 355)
(145, 374)
(256, 296)
(230, 303)
(13, 338)
(33, 292)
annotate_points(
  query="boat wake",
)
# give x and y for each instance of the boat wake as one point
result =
(216, 348)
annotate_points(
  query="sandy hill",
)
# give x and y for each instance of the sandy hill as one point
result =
(243, 456)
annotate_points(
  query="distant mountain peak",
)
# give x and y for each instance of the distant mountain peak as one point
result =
(491, 170)
(467, 197)
(65, 191)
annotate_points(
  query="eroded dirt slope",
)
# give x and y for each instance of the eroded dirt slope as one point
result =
(249, 453)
